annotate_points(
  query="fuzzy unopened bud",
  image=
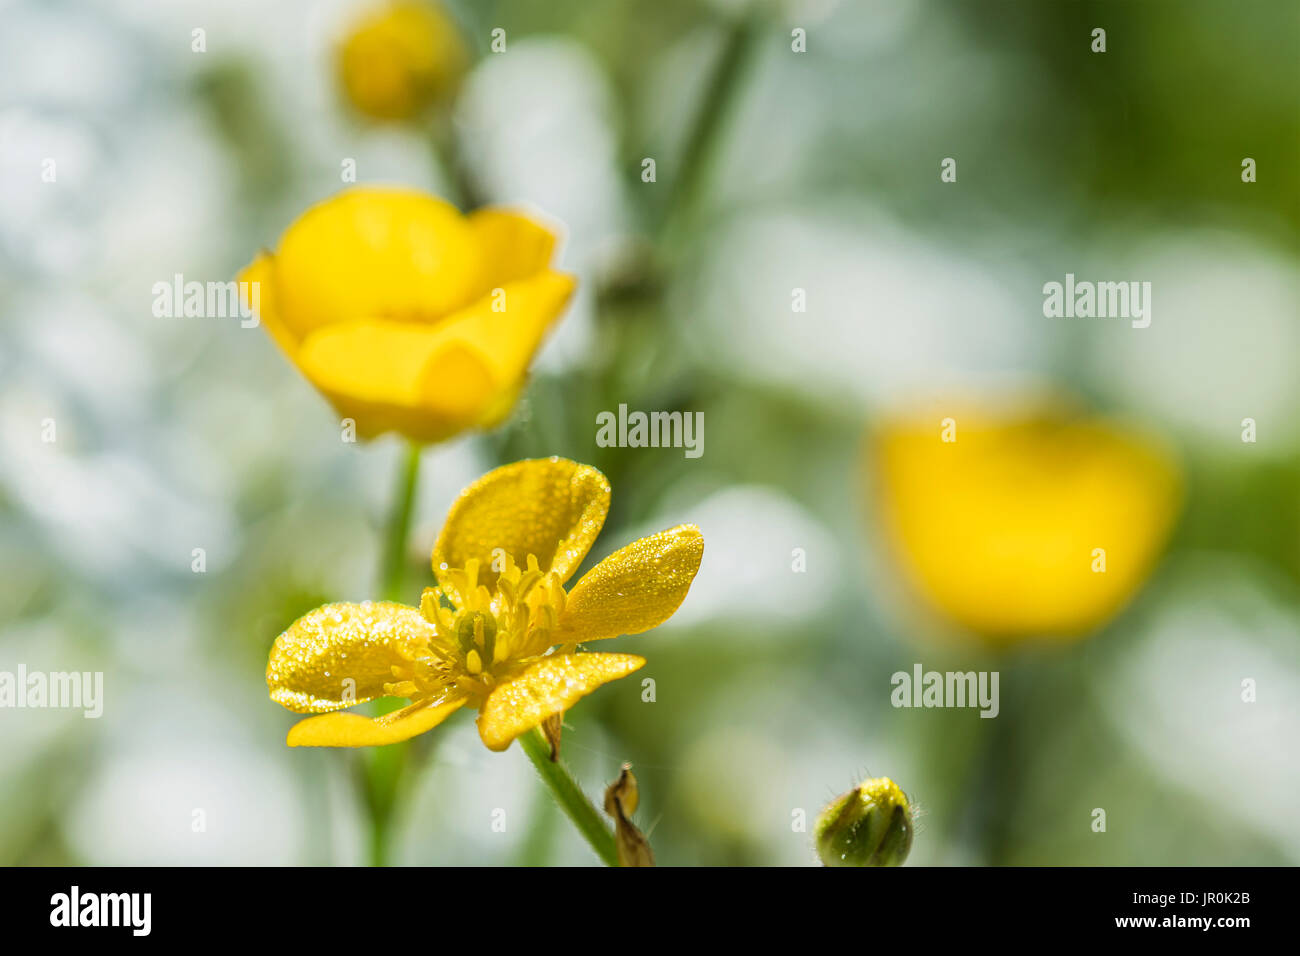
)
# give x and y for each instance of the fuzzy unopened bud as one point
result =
(871, 825)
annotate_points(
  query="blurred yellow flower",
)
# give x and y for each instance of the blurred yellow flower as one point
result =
(1024, 524)
(499, 632)
(407, 315)
(400, 59)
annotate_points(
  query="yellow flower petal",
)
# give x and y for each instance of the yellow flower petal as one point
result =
(430, 381)
(506, 327)
(515, 244)
(552, 685)
(395, 376)
(636, 588)
(342, 654)
(377, 253)
(357, 730)
(261, 272)
(1000, 529)
(551, 508)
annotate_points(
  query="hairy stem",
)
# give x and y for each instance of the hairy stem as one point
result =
(570, 797)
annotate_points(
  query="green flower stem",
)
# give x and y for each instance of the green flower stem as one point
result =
(699, 153)
(452, 163)
(381, 778)
(1000, 773)
(384, 768)
(399, 526)
(543, 828)
(570, 797)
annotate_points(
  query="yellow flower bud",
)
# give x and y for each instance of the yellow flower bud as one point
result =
(871, 825)
(402, 58)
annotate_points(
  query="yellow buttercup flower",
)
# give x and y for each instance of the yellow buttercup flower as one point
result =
(500, 632)
(400, 59)
(407, 315)
(1024, 524)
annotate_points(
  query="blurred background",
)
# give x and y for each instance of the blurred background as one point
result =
(776, 170)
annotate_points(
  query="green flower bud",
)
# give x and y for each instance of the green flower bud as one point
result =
(871, 825)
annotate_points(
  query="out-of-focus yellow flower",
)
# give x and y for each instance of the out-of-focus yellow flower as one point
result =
(400, 59)
(500, 632)
(1024, 524)
(407, 315)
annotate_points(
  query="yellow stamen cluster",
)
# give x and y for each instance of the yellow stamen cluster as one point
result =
(483, 634)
